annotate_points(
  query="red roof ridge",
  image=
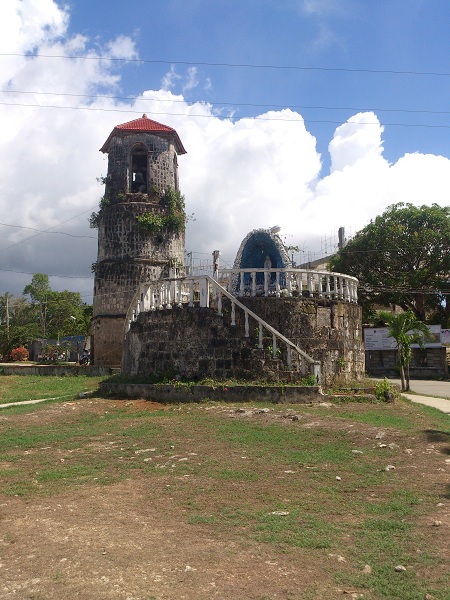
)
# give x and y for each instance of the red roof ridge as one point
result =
(144, 124)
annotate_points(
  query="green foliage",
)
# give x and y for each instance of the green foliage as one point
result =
(269, 349)
(308, 380)
(406, 329)
(151, 222)
(173, 219)
(95, 216)
(39, 287)
(384, 391)
(94, 220)
(402, 258)
(174, 263)
(54, 314)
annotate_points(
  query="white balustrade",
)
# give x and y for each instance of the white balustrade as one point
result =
(289, 282)
(179, 291)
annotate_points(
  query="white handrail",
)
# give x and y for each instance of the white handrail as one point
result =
(291, 281)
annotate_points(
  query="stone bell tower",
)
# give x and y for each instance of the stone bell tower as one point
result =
(141, 226)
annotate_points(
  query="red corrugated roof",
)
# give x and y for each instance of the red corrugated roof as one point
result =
(144, 124)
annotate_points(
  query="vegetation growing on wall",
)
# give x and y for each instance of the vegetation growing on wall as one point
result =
(174, 218)
(94, 218)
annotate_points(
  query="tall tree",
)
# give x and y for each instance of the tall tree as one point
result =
(402, 258)
(65, 314)
(406, 330)
(58, 313)
(20, 326)
(39, 291)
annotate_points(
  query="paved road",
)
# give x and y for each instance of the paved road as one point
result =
(431, 393)
(438, 389)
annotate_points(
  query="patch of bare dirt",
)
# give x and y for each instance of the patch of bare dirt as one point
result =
(127, 542)
(132, 540)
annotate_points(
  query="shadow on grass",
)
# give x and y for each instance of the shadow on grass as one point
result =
(434, 435)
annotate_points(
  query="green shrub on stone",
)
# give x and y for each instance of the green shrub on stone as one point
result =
(384, 391)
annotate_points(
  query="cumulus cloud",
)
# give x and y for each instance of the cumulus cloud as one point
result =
(238, 174)
(122, 47)
(357, 139)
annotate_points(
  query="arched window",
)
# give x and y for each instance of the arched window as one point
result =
(138, 176)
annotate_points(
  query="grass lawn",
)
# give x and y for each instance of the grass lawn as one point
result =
(17, 388)
(128, 499)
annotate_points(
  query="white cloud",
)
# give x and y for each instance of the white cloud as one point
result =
(170, 78)
(191, 80)
(187, 82)
(357, 139)
(122, 47)
(237, 176)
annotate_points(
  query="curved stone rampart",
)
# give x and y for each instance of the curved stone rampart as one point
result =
(196, 342)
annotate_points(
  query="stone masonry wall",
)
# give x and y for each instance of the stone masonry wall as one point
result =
(120, 238)
(107, 334)
(330, 332)
(127, 257)
(197, 343)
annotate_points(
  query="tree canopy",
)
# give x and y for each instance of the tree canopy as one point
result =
(402, 258)
(45, 314)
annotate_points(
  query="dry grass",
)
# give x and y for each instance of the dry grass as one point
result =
(128, 499)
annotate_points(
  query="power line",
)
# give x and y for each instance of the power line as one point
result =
(90, 237)
(232, 104)
(319, 254)
(230, 65)
(231, 118)
(49, 274)
(45, 231)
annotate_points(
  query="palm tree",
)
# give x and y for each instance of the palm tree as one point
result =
(406, 329)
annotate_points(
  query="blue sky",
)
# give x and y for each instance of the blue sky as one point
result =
(343, 109)
(409, 36)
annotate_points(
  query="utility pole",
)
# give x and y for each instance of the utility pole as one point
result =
(7, 315)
